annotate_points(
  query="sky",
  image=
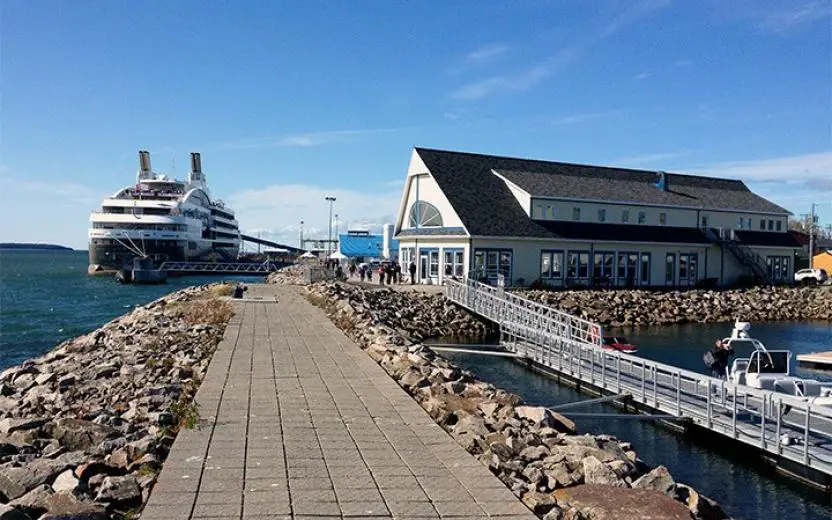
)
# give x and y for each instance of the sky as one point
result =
(291, 102)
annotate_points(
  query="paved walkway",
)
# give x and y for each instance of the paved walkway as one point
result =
(298, 422)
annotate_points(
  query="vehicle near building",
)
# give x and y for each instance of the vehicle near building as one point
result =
(811, 276)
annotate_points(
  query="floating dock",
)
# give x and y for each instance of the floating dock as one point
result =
(821, 360)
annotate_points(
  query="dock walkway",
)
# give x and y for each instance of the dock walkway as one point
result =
(298, 422)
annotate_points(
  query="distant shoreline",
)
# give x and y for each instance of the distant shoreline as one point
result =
(13, 246)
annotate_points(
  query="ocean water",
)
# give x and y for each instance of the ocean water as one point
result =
(47, 297)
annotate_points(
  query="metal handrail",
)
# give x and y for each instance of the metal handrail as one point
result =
(571, 345)
(219, 267)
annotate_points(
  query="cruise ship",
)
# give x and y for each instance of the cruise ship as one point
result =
(162, 219)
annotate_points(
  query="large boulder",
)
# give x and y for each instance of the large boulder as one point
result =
(596, 472)
(700, 506)
(35, 502)
(66, 506)
(15, 482)
(121, 491)
(600, 502)
(10, 425)
(659, 479)
(76, 434)
(543, 417)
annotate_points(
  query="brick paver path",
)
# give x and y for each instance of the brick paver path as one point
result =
(298, 422)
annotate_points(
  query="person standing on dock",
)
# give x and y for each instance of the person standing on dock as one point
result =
(721, 353)
(412, 270)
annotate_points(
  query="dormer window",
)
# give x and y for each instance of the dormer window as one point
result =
(602, 215)
(424, 214)
(663, 218)
(642, 217)
(625, 216)
(576, 213)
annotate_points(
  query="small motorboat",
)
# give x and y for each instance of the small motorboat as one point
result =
(619, 344)
(771, 369)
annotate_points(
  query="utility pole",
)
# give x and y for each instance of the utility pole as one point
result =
(329, 232)
(812, 237)
(301, 234)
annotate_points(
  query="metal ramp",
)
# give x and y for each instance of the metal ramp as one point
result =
(786, 427)
(220, 267)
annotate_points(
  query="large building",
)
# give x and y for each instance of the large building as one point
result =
(567, 224)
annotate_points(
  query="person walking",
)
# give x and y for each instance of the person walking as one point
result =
(412, 270)
(398, 272)
(381, 275)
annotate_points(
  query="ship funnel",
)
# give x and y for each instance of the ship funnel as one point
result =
(144, 162)
(196, 163)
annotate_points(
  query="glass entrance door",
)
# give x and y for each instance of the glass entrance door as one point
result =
(423, 266)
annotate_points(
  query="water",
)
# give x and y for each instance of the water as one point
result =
(744, 487)
(47, 297)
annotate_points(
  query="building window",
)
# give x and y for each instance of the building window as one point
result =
(704, 221)
(778, 268)
(748, 222)
(577, 265)
(688, 268)
(602, 215)
(551, 265)
(779, 225)
(602, 268)
(424, 214)
(669, 268)
(552, 210)
(644, 272)
(642, 217)
(625, 216)
(434, 264)
(663, 219)
(740, 222)
(490, 262)
(453, 263)
(538, 211)
(762, 224)
(576, 213)
(771, 225)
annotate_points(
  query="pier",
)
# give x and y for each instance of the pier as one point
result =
(788, 432)
(298, 422)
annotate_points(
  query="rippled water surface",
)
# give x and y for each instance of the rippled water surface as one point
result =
(47, 297)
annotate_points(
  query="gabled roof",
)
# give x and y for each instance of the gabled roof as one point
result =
(468, 181)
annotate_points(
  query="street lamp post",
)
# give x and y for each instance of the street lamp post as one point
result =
(336, 230)
(329, 232)
(301, 234)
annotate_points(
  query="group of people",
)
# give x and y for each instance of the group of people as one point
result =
(387, 272)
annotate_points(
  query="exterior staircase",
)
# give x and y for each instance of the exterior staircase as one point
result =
(746, 257)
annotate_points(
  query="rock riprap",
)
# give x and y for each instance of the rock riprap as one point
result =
(536, 452)
(289, 275)
(85, 428)
(643, 307)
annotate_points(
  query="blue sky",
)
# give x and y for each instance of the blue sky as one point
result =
(292, 101)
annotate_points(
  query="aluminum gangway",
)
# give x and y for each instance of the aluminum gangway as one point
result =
(794, 434)
(220, 267)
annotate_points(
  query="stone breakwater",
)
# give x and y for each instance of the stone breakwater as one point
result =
(642, 307)
(85, 428)
(289, 275)
(537, 453)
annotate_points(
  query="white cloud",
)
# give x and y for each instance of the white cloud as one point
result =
(643, 75)
(485, 54)
(795, 17)
(67, 192)
(529, 77)
(795, 168)
(276, 211)
(647, 158)
(303, 140)
(583, 118)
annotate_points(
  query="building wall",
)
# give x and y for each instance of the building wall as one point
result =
(423, 247)
(823, 261)
(552, 209)
(424, 187)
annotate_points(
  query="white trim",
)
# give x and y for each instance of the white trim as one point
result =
(510, 183)
(647, 204)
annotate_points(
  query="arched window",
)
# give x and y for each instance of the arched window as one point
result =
(424, 214)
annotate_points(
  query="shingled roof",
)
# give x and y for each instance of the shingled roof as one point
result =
(467, 180)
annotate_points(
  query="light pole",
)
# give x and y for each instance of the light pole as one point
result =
(812, 237)
(329, 232)
(336, 229)
(301, 234)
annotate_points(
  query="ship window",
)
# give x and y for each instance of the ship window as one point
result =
(424, 214)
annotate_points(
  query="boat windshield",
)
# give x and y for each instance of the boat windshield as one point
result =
(770, 362)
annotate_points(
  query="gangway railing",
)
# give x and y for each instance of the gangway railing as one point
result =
(219, 267)
(795, 429)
